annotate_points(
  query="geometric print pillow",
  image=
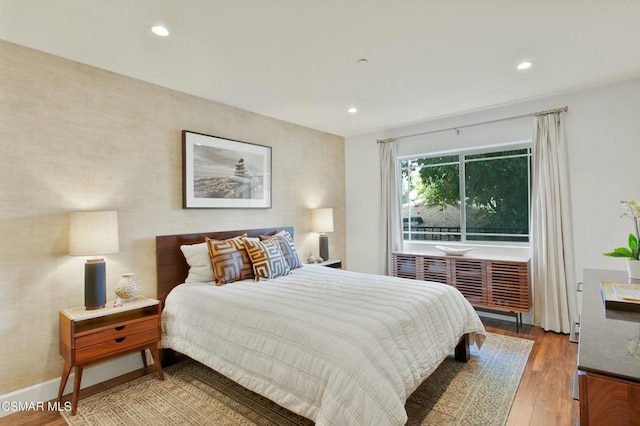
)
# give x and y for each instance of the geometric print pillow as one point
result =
(229, 260)
(267, 259)
(287, 247)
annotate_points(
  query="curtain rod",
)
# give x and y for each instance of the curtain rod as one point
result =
(532, 114)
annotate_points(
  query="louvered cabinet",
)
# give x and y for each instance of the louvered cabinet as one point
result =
(495, 284)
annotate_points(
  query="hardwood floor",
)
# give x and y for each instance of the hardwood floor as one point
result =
(544, 396)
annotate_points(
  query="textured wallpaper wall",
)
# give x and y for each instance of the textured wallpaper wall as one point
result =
(74, 137)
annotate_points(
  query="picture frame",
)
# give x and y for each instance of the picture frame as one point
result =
(223, 173)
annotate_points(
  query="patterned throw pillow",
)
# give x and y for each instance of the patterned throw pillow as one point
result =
(285, 240)
(230, 260)
(267, 258)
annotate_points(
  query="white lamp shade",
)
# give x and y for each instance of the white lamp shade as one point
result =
(93, 233)
(322, 220)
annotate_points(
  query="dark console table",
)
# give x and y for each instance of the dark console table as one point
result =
(608, 357)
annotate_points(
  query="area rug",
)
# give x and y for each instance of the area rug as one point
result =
(479, 392)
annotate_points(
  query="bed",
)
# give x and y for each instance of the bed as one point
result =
(337, 347)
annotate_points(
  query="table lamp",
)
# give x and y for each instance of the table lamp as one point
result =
(94, 234)
(322, 222)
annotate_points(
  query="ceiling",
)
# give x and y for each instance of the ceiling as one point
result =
(296, 60)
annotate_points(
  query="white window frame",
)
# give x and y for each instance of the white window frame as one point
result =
(462, 153)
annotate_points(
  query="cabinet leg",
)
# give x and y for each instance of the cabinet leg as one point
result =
(66, 370)
(144, 358)
(76, 390)
(156, 360)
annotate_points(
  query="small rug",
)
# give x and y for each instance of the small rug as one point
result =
(479, 392)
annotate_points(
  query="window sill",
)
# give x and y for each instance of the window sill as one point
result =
(491, 251)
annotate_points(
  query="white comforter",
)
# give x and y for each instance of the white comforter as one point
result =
(338, 347)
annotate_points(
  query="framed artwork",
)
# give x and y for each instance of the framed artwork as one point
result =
(222, 173)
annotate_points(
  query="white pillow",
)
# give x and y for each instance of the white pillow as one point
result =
(197, 256)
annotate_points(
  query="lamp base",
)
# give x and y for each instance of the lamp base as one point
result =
(324, 247)
(95, 284)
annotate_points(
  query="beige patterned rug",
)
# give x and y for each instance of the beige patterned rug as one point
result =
(479, 392)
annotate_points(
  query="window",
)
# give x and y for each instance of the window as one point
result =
(480, 195)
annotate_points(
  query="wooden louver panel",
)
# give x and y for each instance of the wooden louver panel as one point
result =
(508, 286)
(404, 266)
(435, 269)
(468, 277)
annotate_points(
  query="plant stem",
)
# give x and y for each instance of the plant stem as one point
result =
(637, 253)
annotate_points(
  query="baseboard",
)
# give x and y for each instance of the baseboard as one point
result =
(47, 391)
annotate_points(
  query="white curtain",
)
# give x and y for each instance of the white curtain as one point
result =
(390, 207)
(552, 252)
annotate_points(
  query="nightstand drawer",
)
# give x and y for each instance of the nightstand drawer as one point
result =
(117, 331)
(116, 346)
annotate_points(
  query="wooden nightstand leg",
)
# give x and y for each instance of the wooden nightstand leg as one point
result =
(144, 358)
(66, 370)
(76, 390)
(156, 359)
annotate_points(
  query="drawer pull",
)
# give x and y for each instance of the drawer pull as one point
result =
(120, 328)
(120, 339)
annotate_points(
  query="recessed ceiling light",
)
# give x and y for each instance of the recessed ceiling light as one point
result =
(352, 110)
(524, 65)
(159, 30)
(362, 61)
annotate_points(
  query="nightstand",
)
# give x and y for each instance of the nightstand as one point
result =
(90, 337)
(332, 264)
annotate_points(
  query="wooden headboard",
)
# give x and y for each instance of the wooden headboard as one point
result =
(171, 266)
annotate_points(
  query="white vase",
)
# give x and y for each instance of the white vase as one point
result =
(127, 287)
(633, 266)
